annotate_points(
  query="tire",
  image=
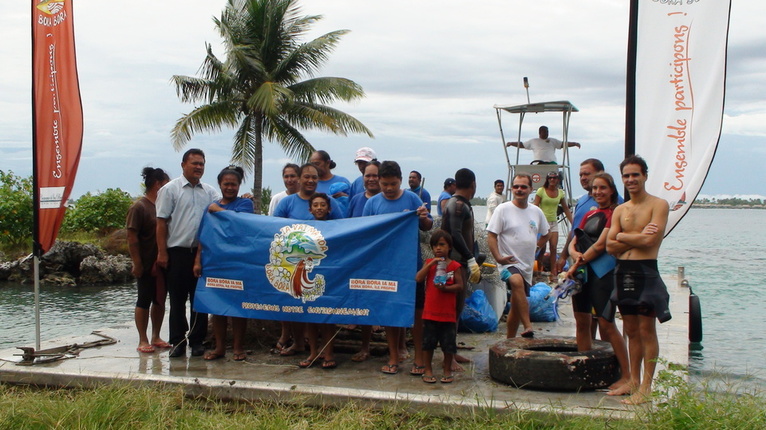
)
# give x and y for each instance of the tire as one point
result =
(553, 364)
(695, 319)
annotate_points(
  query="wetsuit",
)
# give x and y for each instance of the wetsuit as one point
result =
(640, 290)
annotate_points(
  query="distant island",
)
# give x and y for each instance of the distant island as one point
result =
(701, 203)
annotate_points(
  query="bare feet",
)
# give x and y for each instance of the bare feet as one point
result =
(460, 359)
(456, 367)
(637, 398)
(620, 388)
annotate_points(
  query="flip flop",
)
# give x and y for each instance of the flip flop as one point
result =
(417, 370)
(528, 333)
(145, 349)
(288, 352)
(162, 345)
(447, 379)
(361, 356)
(239, 356)
(429, 379)
(329, 364)
(210, 356)
(390, 369)
(305, 364)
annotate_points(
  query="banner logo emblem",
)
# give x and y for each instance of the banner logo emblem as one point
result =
(293, 254)
(51, 7)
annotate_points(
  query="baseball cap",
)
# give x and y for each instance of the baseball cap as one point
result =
(449, 181)
(365, 154)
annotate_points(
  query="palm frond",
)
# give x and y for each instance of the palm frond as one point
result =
(209, 117)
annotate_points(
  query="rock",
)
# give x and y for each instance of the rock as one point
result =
(67, 256)
(116, 243)
(109, 269)
(59, 279)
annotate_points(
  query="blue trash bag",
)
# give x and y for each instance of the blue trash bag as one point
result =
(478, 315)
(541, 310)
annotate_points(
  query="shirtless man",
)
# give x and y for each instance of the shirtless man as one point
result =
(637, 230)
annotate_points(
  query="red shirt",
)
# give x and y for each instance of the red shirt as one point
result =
(441, 305)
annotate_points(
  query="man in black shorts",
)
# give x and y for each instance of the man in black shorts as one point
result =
(637, 230)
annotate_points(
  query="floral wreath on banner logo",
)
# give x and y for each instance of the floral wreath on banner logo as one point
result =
(293, 254)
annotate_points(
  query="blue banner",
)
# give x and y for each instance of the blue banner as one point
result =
(348, 271)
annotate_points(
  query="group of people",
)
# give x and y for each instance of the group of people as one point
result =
(162, 233)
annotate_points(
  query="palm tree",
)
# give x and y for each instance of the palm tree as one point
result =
(259, 90)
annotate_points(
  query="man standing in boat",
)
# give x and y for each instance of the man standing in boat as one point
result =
(543, 147)
(512, 239)
(180, 206)
(635, 236)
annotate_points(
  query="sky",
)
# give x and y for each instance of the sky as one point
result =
(431, 70)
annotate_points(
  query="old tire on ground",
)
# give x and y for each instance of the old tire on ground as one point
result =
(553, 364)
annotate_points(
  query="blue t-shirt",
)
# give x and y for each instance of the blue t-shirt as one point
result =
(379, 204)
(324, 186)
(356, 205)
(357, 187)
(238, 205)
(424, 195)
(443, 196)
(293, 206)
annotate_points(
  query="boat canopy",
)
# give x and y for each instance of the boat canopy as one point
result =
(560, 106)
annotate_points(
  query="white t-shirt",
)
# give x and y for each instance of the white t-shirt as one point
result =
(544, 149)
(517, 231)
(493, 201)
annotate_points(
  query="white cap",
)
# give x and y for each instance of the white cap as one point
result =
(365, 154)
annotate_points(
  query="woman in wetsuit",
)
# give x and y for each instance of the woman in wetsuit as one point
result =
(588, 250)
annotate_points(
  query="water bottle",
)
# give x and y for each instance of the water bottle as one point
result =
(441, 273)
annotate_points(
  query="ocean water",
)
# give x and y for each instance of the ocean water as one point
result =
(722, 251)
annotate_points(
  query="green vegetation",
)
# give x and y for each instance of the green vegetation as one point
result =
(678, 404)
(260, 89)
(99, 213)
(88, 219)
(15, 212)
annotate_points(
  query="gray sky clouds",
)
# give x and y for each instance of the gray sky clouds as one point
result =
(432, 71)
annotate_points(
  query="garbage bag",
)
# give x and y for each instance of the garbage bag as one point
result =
(478, 315)
(541, 310)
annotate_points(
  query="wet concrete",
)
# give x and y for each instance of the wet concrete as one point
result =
(266, 376)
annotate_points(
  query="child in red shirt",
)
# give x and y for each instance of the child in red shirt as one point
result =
(439, 311)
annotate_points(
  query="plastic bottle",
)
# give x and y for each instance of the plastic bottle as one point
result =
(441, 273)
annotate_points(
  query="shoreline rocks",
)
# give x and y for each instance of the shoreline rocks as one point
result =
(69, 264)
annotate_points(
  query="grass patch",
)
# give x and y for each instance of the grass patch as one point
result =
(120, 406)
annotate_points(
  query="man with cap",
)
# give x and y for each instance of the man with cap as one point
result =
(362, 159)
(449, 190)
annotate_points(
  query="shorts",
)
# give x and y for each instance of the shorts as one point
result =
(147, 291)
(553, 226)
(440, 333)
(639, 290)
(420, 295)
(594, 296)
(515, 271)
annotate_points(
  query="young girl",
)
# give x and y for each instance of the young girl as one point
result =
(439, 311)
(320, 207)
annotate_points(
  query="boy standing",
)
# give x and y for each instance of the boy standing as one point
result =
(439, 311)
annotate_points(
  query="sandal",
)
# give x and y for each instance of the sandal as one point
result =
(329, 364)
(390, 369)
(145, 349)
(429, 379)
(212, 355)
(161, 344)
(361, 356)
(447, 379)
(417, 370)
(239, 356)
(529, 333)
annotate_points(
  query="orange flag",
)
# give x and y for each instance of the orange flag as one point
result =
(56, 115)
